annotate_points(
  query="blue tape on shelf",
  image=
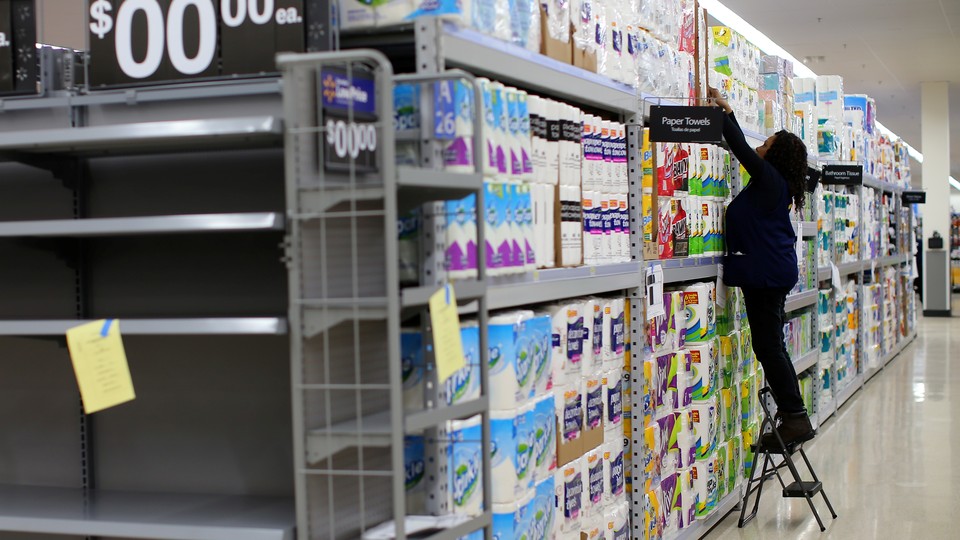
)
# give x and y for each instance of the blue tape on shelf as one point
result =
(105, 331)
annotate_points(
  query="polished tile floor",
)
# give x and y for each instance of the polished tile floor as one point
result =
(886, 458)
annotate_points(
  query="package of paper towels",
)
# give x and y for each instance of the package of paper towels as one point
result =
(703, 381)
(508, 456)
(534, 346)
(593, 465)
(465, 477)
(617, 522)
(614, 472)
(705, 418)
(704, 479)
(570, 489)
(464, 384)
(512, 519)
(545, 437)
(506, 390)
(412, 368)
(698, 303)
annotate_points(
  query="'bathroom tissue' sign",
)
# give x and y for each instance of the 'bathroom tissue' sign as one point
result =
(686, 124)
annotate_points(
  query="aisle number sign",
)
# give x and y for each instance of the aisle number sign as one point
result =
(445, 321)
(100, 364)
(146, 41)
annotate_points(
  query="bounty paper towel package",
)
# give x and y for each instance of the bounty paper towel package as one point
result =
(703, 379)
(466, 468)
(699, 309)
(412, 368)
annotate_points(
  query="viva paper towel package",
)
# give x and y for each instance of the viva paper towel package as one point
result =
(684, 390)
(671, 504)
(665, 377)
(545, 437)
(570, 488)
(464, 384)
(662, 332)
(592, 463)
(683, 439)
(465, 480)
(412, 368)
(670, 459)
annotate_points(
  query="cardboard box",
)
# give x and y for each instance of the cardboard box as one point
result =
(585, 59)
(554, 48)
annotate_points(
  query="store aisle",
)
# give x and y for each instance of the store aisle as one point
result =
(885, 459)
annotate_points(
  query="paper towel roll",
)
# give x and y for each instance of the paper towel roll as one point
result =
(526, 440)
(412, 368)
(703, 373)
(612, 382)
(705, 429)
(464, 384)
(545, 437)
(653, 451)
(684, 390)
(671, 504)
(593, 401)
(683, 439)
(570, 487)
(687, 499)
(569, 400)
(592, 463)
(592, 526)
(505, 439)
(465, 480)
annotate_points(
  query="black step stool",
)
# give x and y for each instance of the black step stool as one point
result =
(797, 488)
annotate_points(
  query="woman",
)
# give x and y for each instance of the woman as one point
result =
(762, 259)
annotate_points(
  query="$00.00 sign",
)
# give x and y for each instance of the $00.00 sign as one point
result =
(147, 41)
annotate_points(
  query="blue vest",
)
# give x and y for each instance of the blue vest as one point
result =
(761, 244)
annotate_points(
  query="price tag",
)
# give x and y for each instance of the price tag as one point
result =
(445, 322)
(654, 285)
(141, 41)
(100, 364)
(349, 108)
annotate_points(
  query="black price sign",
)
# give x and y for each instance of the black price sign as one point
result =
(686, 124)
(348, 105)
(148, 41)
(18, 49)
(914, 197)
(845, 175)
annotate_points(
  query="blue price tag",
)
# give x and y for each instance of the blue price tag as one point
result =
(445, 110)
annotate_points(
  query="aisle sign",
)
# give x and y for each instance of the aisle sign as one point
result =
(843, 175)
(148, 41)
(686, 124)
(445, 323)
(100, 364)
(18, 50)
(914, 197)
(348, 104)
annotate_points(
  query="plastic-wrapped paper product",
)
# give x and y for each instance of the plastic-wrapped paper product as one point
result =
(558, 19)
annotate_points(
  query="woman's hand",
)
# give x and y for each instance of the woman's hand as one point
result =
(715, 95)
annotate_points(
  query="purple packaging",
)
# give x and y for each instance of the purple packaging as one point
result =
(667, 378)
(669, 459)
(685, 363)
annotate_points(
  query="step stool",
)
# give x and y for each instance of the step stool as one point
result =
(797, 488)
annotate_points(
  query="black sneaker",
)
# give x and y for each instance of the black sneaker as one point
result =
(794, 429)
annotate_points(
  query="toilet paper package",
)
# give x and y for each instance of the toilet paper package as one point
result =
(543, 510)
(569, 401)
(614, 472)
(612, 382)
(465, 479)
(592, 463)
(545, 437)
(506, 440)
(412, 368)
(508, 384)
(536, 344)
(512, 520)
(594, 403)
(830, 97)
(453, 124)
(464, 384)
(570, 488)
(704, 380)
(705, 419)
(461, 236)
(414, 466)
(617, 522)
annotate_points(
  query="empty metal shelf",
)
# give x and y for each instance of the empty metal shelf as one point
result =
(132, 226)
(156, 327)
(542, 286)
(168, 516)
(801, 300)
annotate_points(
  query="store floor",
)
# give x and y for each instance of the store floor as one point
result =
(886, 458)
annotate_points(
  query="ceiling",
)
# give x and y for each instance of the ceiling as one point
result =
(884, 48)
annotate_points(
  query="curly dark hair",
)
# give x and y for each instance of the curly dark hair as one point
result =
(788, 155)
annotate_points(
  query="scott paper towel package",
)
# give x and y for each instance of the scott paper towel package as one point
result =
(412, 368)
(465, 479)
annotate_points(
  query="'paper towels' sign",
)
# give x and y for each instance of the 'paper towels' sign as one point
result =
(686, 124)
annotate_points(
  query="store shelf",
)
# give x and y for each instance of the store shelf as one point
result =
(701, 527)
(132, 226)
(892, 260)
(871, 371)
(171, 516)
(805, 229)
(147, 137)
(374, 430)
(847, 392)
(824, 273)
(270, 326)
(677, 270)
(465, 291)
(850, 268)
(806, 361)
(801, 300)
(872, 181)
(542, 286)
(418, 186)
(511, 64)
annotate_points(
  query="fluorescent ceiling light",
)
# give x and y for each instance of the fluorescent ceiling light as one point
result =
(725, 15)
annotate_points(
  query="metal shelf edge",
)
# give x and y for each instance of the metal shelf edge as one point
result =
(129, 226)
(434, 417)
(413, 177)
(465, 290)
(801, 300)
(700, 528)
(156, 327)
(807, 361)
(549, 285)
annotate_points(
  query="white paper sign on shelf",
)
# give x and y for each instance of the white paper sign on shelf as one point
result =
(654, 281)
(835, 275)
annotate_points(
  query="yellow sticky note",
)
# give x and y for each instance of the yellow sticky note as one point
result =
(447, 347)
(100, 364)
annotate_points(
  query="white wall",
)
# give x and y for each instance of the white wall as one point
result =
(61, 22)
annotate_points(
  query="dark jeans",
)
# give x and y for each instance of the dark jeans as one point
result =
(766, 316)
